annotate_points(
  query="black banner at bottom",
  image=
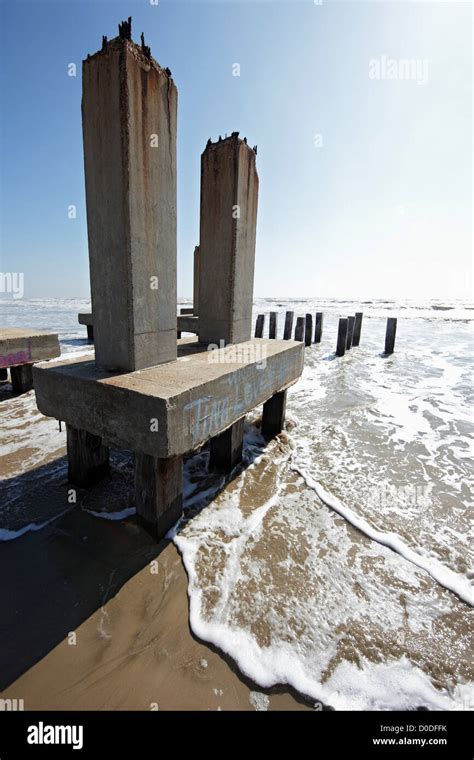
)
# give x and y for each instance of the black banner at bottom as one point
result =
(378, 734)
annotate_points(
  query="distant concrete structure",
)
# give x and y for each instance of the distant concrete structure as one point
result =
(20, 348)
(229, 196)
(129, 109)
(85, 318)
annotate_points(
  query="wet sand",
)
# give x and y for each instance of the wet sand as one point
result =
(134, 652)
(122, 595)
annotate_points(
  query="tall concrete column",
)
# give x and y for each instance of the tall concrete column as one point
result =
(229, 195)
(129, 108)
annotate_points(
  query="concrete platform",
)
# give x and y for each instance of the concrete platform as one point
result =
(85, 318)
(192, 399)
(26, 346)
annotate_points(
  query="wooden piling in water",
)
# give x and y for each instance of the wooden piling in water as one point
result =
(341, 337)
(272, 332)
(259, 325)
(318, 327)
(288, 325)
(357, 328)
(390, 334)
(300, 328)
(308, 330)
(350, 332)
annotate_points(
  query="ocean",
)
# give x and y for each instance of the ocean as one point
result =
(338, 559)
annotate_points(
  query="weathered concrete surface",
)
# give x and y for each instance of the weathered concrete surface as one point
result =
(186, 322)
(196, 281)
(129, 111)
(158, 492)
(169, 409)
(229, 195)
(26, 346)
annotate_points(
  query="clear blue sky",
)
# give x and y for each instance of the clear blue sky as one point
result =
(382, 208)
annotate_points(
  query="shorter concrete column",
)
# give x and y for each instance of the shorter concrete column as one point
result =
(341, 337)
(158, 492)
(226, 448)
(357, 328)
(350, 332)
(90, 332)
(22, 378)
(88, 458)
(288, 325)
(273, 418)
(390, 335)
(3, 373)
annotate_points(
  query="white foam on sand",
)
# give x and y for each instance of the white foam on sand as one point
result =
(288, 568)
(121, 515)
(458, 584)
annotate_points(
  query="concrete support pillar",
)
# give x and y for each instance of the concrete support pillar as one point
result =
(308, 330)
(288, 325)
(196, 282)
(259, 326)
(158, 492)
(350, 332)
(357, 328)
(129, 109)
(226, 448)
(88, 458)
(300, 328)
(22, 378)
(272, 332)
(341, 337)
(90, 333)
(273, 418)
(390, 334)
(318, 328)
(229, 194)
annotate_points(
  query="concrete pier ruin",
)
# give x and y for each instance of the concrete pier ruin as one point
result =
(228, 226)
(20, 348)
(145, 390)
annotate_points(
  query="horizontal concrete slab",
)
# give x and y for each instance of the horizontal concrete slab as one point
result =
(25, 346)
(85, 319)
(185, 322)
(171, 408)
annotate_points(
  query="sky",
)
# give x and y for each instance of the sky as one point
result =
(364, 161)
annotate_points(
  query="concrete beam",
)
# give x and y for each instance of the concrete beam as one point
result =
(169, 409)
(129, 109)
(229, 195)
(26, 346)
(188, 323)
